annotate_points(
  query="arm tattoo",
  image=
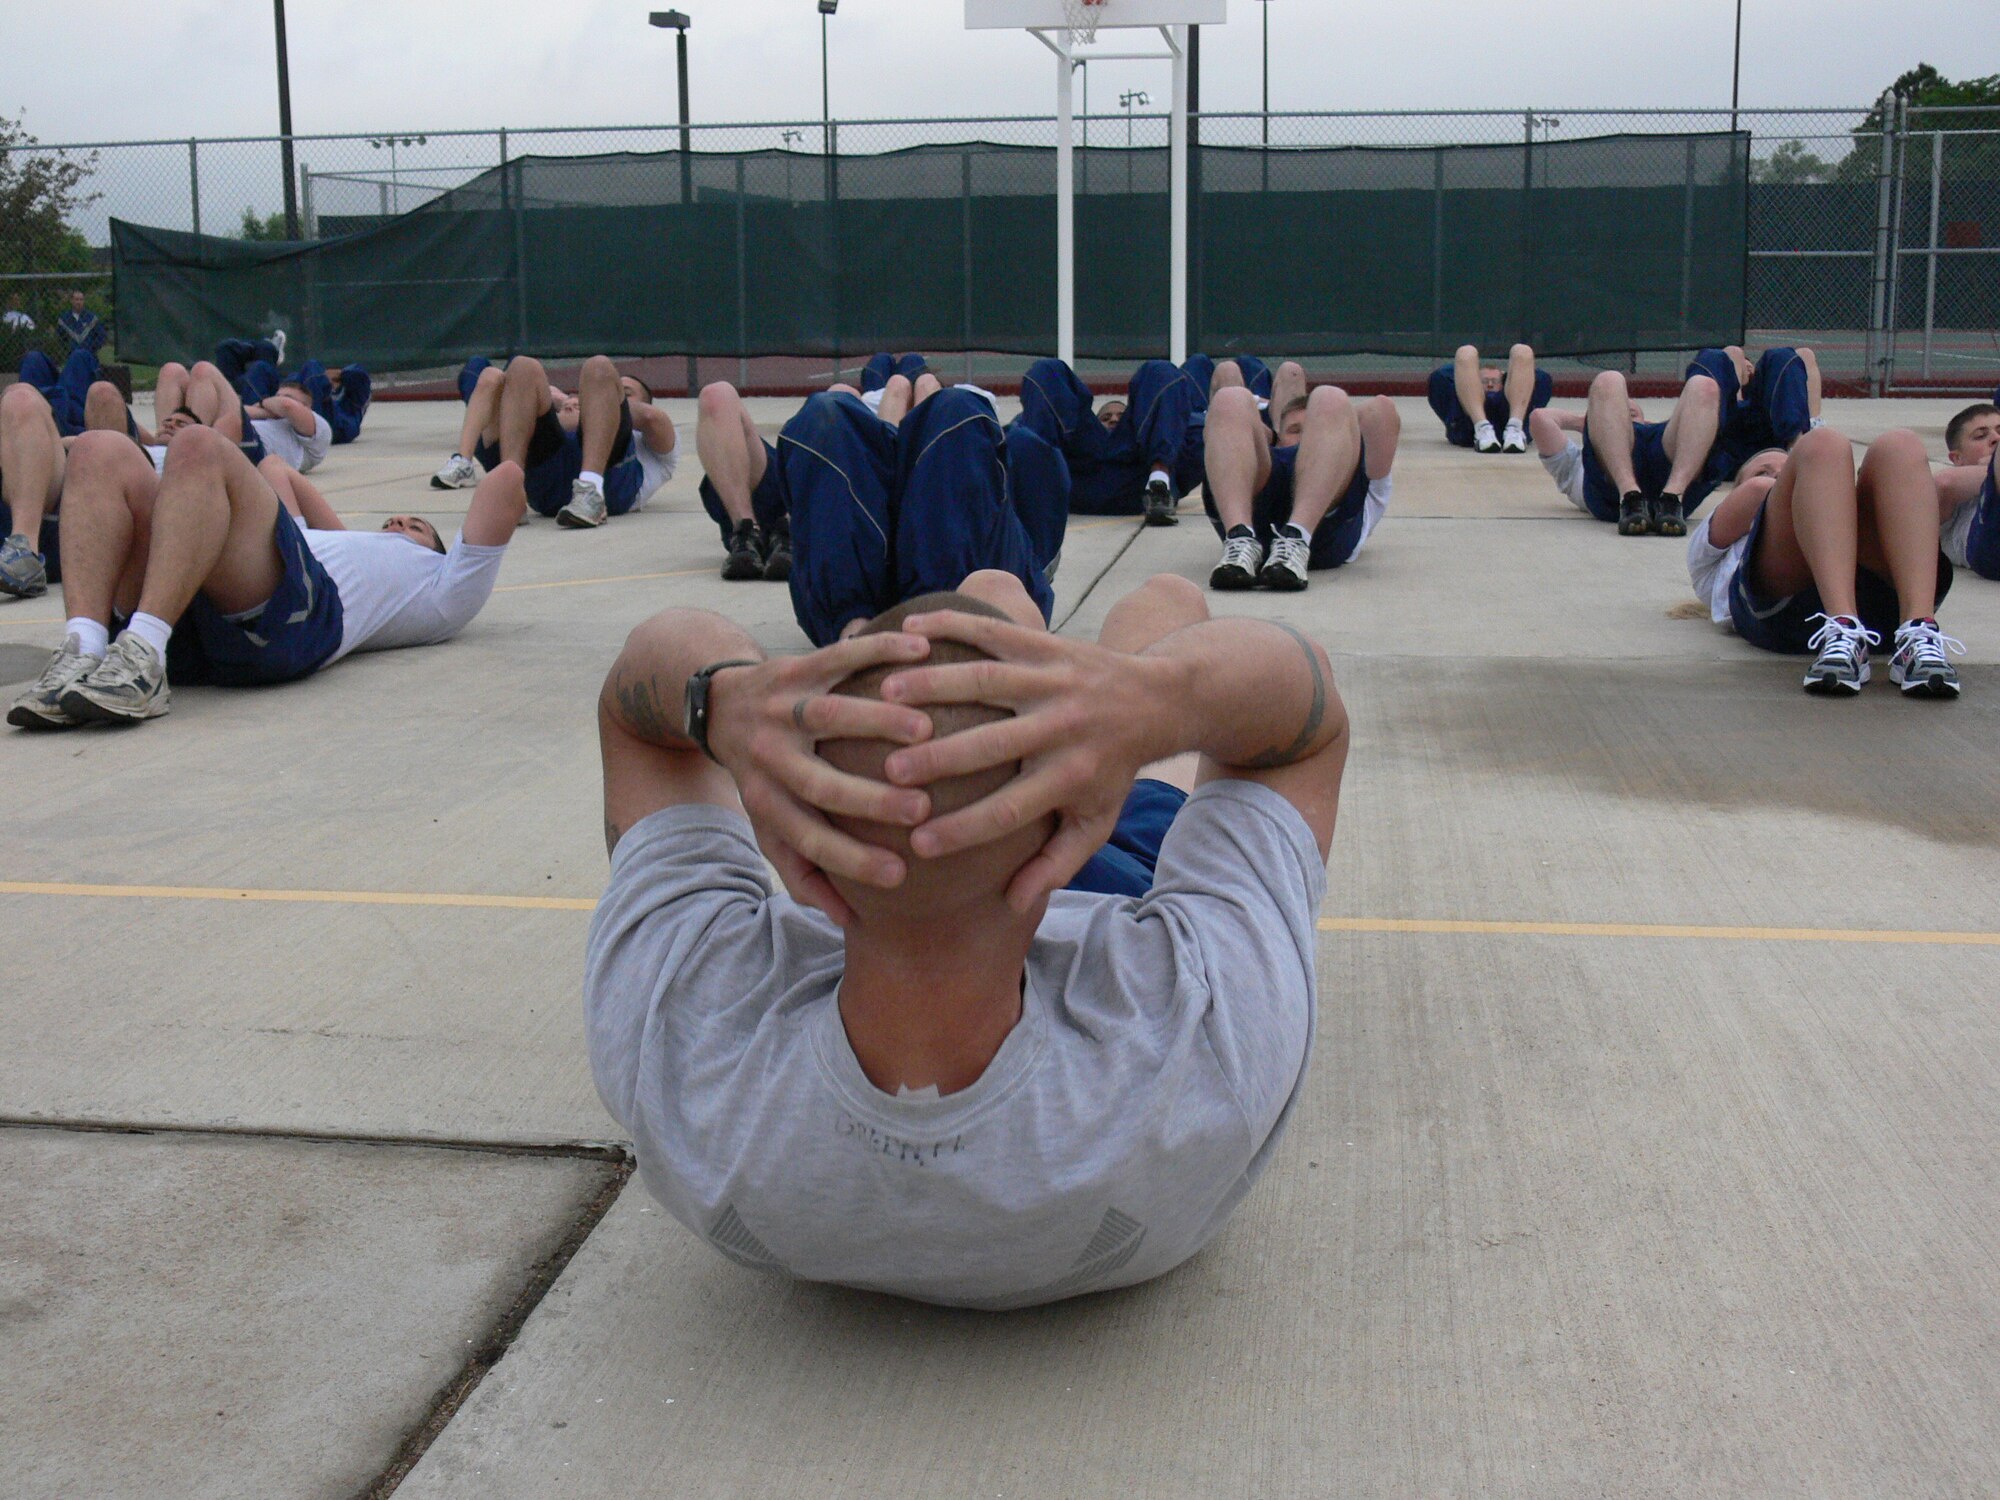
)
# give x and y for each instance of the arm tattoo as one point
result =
(640, 705)
(1315, 715)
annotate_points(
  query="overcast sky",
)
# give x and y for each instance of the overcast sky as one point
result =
(205, 67)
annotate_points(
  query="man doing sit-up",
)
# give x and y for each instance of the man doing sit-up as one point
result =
(956, 1079)
(216, 580)
(1968, 493)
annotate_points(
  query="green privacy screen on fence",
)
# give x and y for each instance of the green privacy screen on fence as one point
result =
(1613, 243)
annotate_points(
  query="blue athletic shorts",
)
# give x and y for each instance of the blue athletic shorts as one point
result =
(555, 458)
(1457, 425)
(1650, 465)
(1339, 530)
(291, 637)
(1982, 543)
(1125, 865)
(1785, 625)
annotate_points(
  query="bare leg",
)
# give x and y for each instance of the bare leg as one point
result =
(730, 449)
(1811, 361)
(599, 395)
(1611, 437)
(1238, 458)
(106, 525)
(653, 427)
(1157, 608)
(927, 386)
(104, 408)
(482, 412)
(213, 524)
(1288, 384)
(31, 459)
(1381, 431)
(1810, 533)
(1520, 382)
(896, 402)
(1227, 375)
(169, 389)
(214, 400)
(1897, 503)
(524, 396)
(1691, 431)
(1465, 380)
(1005, 593)
(1328, 451)
(1744, 369)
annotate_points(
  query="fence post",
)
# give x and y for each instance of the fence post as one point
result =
(513, 174)
(1879, 279)
(307, 218)
(1522, 328)
(742, 286)
(1892, 315)
(1931, 258)
(1687, 239)
(194, 185)
(965, 253)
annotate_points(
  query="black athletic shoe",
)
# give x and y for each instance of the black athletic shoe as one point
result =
(1161, 507)
(1669, 518)
(746, 553)
(1635, 516)
(778, 556)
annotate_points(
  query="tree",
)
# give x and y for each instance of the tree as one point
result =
(270, 227)
(1976, 102)
(40, 191)
(1790, 162)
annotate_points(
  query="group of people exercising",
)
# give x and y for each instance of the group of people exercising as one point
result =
(1034, 1004)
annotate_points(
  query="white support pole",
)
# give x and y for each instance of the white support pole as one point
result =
(1177, 257)
(1065, 211)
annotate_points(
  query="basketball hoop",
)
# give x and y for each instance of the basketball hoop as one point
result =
(1081, 17)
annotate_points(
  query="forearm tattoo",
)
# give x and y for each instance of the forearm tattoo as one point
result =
(1315, 715)
(641, 704)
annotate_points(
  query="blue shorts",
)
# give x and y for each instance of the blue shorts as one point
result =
(1457, 425)
(767, 500)
(1125, 865)
(291, 637)
(555, 458)
(1339, 531)
(48, 543)
(1982, 543)
(1650, 466)
(1784, 625)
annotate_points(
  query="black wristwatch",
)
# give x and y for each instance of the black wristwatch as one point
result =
(695, 702)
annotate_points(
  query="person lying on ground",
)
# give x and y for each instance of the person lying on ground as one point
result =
(600, 453)
(1501, 399)
(1803, 541)
(205, 574)
(1303, 498)
(938, 1067)
(1968, 495)
(881, 512)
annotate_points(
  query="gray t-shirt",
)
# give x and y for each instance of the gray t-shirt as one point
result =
(1161, 1044)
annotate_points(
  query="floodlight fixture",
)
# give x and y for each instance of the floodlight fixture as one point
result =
(676, 20)
(828, 7)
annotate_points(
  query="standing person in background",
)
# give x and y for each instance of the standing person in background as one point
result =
(80, 327)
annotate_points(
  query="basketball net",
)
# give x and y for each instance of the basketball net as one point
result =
(1081, 17)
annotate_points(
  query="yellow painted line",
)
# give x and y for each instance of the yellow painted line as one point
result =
(336, 898)
(1662, 930)
(573, 583)
(30, 620)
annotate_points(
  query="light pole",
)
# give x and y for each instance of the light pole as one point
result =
(1736, 69)
(395, 176)
(1267, 75)
(826, 8)
(285, 124)
(832, 175)
(677, 22)
(1125, 102)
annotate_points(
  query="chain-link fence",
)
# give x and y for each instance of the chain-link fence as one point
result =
(1874, 234)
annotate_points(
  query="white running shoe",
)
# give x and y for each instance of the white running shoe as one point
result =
(130, 684)
(1514, 439)
(1285, 568)
(1242, 561)
(40, 707)
(586, 505)
(458, 473)
(1920, 667)
(278, 343)
(1842, 665)
(1485, 439)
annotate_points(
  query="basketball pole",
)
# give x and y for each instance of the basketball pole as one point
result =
(1177, 143)
(1065, 209)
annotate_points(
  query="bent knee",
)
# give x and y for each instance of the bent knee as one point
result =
(1521, 351)
(525, 368)
(718, 398)
(1184, 594)
(1005, 593)
(22, 401)
(1610, 383)
(1826, 442)
(1466, 354)
(1328, 398)
(601, 365)
(199, 445)
(1898, 445)
(1233, 401)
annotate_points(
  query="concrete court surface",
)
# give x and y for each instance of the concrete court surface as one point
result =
(1648, 1148)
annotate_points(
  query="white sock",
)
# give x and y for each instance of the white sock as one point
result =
(152, 630)
(92, 639)
(594, 479)
(1160, 476)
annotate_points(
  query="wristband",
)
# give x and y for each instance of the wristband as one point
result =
(694, 701)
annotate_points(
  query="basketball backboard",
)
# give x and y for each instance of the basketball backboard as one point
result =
(1051, 15)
